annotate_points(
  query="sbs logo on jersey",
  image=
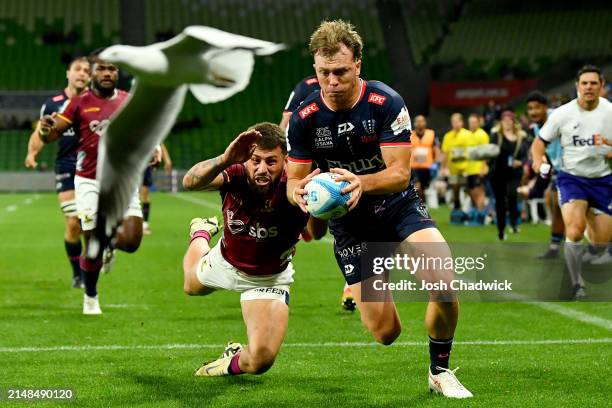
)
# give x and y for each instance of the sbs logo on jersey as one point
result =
(260, 232)
(345, 127)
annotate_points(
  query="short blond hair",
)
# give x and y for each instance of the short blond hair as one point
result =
(330, 35)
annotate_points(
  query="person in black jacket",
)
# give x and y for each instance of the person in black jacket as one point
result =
(507, 169)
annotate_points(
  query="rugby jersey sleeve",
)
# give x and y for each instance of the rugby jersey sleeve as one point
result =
(299, 149)
(396, 123)
(550, 130)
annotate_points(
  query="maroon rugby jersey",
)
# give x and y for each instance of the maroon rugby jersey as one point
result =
(90, 115)
(260, 232)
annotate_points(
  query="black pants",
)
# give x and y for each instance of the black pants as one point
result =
(506, 199)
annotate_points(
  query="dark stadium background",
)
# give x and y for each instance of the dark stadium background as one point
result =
(426, 49)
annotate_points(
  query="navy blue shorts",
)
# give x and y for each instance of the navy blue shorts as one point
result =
(595, 191)
(390, 220)
(147, 178)
(64, 179)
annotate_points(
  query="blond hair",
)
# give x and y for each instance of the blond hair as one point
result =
(330, 35)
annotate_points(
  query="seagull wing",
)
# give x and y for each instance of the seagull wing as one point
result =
(128, 146)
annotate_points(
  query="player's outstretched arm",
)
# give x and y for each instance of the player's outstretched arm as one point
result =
(35, 145)
(207, 175)
(537, 153)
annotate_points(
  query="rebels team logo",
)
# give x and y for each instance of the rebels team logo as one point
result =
(308, 110)
(377, 99)
(99, 126)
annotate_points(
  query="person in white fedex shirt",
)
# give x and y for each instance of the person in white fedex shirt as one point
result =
(584, 126)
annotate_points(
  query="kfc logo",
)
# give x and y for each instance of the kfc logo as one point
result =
(312, 108)
(376, 99)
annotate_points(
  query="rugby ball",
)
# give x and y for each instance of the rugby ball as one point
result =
(324, 199)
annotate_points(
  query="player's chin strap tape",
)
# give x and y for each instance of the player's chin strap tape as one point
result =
(69, 208)
(280, 292)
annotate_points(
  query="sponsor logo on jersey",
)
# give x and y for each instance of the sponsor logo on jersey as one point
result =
(308, 110)
(594, 140)
(99, 126)
(58, 98)
(350, 252)
(345, 127)
(312, 81)
(94, 109)
(235, 226)
(360, 166)
(260, 232)
(323, 139)
(401, 122)
(376, 99)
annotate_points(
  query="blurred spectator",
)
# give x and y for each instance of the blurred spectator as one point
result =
(491, 115)
(507, 169)
(424, 154)
(476, 171)
(454, 143)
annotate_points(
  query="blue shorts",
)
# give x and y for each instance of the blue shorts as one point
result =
(147, 178)
(64, 178)
(391, 219)
(597, 192)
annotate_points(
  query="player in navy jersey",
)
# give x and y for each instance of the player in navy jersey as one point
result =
(304, 88)
(301, 91)
(253, 257)
(78, 75)
(360, 130)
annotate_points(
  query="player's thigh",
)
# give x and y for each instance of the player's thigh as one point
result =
(575, 213)
(266, 322)
(86, 195)
(599, 225)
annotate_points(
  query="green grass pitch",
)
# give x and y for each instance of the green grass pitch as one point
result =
(143, 349)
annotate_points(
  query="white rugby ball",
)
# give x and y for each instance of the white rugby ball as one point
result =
(324, 199)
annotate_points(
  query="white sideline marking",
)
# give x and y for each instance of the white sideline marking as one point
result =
(575, 314)
(302, 345)
(326, 239)
(194, 200)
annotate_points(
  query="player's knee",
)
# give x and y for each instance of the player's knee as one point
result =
(574, 233)
(385, 333)
(73, 228)
(262, 358)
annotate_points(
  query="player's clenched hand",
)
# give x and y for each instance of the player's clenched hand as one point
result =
(241, 149)
(299, 191)
(30, 161)
(354, 187)
(46, 124)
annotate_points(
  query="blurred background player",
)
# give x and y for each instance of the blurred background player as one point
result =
(78, 75)
(424, 155)
(476, 171)
(147, 183)
(370, 135)
(585, 179)
(537, 110)
(89, 114)
(507, 170)
(254, 254)
(454, 143)
(304, 88)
